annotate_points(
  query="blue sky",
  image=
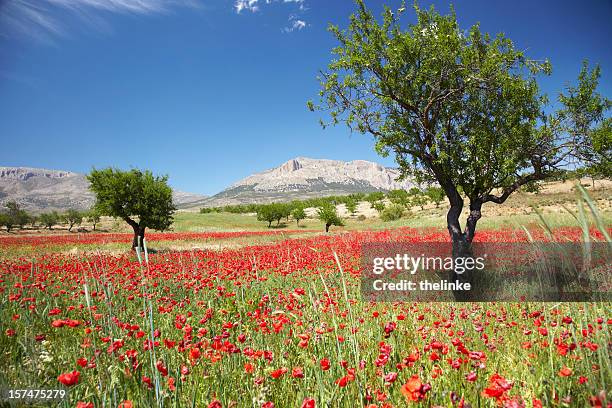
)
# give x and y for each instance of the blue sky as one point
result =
(208, 93)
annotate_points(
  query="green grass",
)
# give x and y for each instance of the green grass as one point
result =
(195, 222)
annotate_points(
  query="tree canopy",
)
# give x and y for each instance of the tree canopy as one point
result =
(328, 214)
(137, 197)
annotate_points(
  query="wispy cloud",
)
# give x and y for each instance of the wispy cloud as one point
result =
(41, 19)
(249, 5)
(253, 5)
(295, 23)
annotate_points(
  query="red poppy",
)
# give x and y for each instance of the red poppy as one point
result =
(297, 372)
(414, 389)
(163, 370)
(497, 388)
(69, 379)
(325, 364)
(278, 372)
(215, 404)
(308, 403)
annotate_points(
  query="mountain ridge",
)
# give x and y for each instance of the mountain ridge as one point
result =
(303, 177)
(38, 189)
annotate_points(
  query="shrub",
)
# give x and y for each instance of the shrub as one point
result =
(392, 212)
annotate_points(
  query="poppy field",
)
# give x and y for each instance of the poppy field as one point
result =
(282, 324)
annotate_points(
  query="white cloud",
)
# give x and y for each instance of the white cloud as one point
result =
(295, 24)
(40, 19)
(253, 5)
(249, 5)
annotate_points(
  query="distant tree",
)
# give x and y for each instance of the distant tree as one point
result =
(23, 219)
(329, 215)
(357, 196)
(351, 206)
(400, 197)
(137, 197)
(419, 200)
(33, 220)
(73, 217)
(15, 216)
(414, 191)
(5, 221)
(49, 219)
(267, 213)
(298, 214)
(435, 194)
(94, 217)
(379, 206)
(374, 197)
(284, 210)
(392, 212)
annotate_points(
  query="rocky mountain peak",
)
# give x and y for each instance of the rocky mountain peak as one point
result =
(304, 177)
(290, 166)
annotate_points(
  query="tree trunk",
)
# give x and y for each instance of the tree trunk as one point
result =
(94, 226)
(462, 241)
(327, 227)
(139, 233)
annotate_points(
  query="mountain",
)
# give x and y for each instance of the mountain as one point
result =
(303, 177)
(43, 190)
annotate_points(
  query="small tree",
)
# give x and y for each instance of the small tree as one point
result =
(400, 197)
(298, 214)
(435, 194)
(419, 200)
(379, 206)
(372, 198)
(351, 206)
(328, 214)
(94, 217)
(5, 221)
(137, 197)
(73, 217)
(267, 213)
(22, 219)
(49, 219)
(15, 216)
(284, 211)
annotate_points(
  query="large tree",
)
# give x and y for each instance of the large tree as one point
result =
(458, 108)
(137, 197)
